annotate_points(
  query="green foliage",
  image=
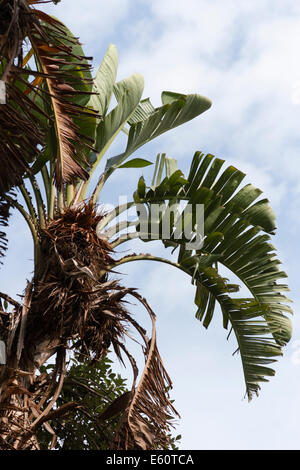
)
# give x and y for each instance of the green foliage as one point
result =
(234, 218)
(158, 121)
(136, 163)
(94, 387)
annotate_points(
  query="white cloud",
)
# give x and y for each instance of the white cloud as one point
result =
(244, 57)
(92, 20)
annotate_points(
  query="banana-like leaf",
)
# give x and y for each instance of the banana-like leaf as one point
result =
(128, 93)
(136, 163)
(234, 222)
(142, 112)
(104, 81)
(154, 122)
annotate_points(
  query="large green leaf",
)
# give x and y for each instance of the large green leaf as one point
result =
(128, 93)
(234, 219)
(155, 122)
(105, 80)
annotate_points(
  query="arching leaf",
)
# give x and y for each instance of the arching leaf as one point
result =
(234, 219)
(57, 96)
(105, 80)
(128, 93)
(162, 119)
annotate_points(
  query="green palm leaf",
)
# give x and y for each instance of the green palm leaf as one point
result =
(156, 121)
(234, 222)
(128, 93)
(104, 81)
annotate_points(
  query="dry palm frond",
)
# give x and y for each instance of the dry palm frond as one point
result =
(20, 132)
(54, 50)
(148, 412)
(14, 23)
(24, 121)
(20, 415)
(70, 298)
(21, 135)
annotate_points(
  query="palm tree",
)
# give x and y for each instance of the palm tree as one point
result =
(56, 127)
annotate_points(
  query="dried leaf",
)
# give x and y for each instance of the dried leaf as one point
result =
(146, 422)
(22, 122)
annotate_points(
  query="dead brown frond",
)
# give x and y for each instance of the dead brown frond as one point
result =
(14, 23)
(60, 81)
(148, 414)
(20, 130)
(54, 50)
(21, 136)
(71, 298)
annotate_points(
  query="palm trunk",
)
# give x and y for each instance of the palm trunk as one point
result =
(23, 392)
(15, 422)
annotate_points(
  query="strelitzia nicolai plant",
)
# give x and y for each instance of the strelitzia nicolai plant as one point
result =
(56, 126)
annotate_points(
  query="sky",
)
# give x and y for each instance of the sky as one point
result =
(244, 56)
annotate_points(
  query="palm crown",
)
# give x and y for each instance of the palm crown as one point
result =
(56, 127)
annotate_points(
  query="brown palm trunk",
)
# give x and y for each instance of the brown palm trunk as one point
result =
(20, 386)
(15, 422)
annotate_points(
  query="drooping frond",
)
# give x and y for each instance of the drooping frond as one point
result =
(68, 82)
(256, 344)
(54, 101)
(20, 137)
(20, 133)
(148, 410)
(233, 222)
